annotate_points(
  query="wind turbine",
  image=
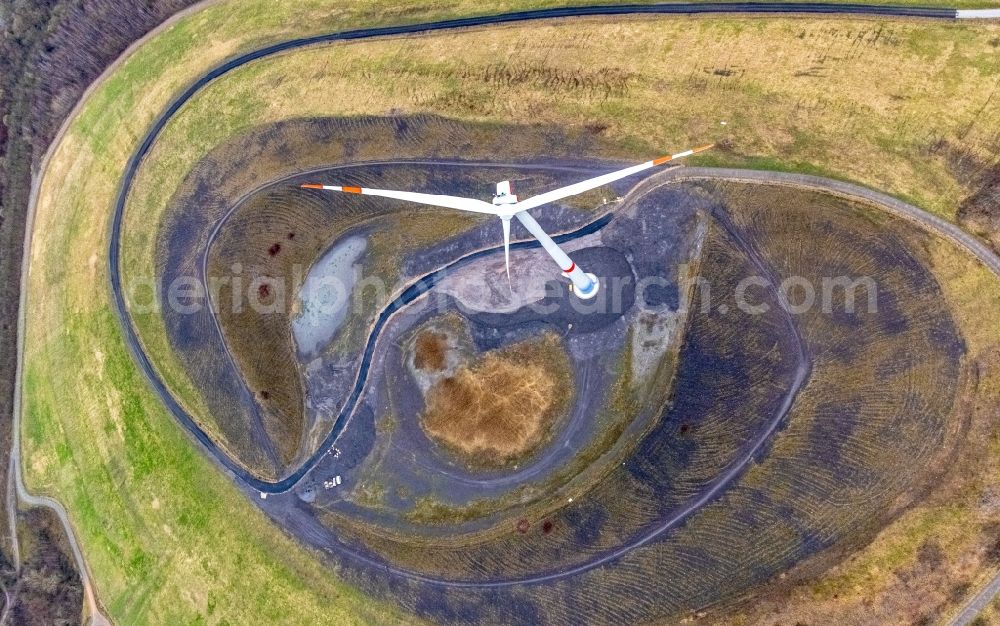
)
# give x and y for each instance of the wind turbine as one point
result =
(505, 205)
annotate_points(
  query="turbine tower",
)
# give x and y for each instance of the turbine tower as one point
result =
(506, 205)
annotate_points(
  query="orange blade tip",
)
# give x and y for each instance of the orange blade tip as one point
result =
(311, 186)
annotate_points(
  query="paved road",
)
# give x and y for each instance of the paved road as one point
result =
(15, 481)
(941, 228)
(933, 223)
(978, 603)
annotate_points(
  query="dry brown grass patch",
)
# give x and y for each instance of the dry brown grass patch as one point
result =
(503, 406)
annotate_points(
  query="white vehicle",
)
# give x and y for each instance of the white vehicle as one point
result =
(506, 205)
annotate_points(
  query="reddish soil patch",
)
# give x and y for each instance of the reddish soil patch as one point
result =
(523, 526)
(264, 291)
(547, 526)
(275, 249)
(291, 235)
(430, 351)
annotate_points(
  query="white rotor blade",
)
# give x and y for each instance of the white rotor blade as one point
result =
(448, 202)
(506, 248)
(600, 181)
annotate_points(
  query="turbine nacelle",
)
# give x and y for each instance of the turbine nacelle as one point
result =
(504, 194)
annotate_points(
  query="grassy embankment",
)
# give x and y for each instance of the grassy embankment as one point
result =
(140, 494)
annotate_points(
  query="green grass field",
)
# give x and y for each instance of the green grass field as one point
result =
(168, 539)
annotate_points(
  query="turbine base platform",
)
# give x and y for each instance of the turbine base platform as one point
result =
(589, 294)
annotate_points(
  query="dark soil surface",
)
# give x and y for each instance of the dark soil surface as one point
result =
(226, 216)
(765, 438)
